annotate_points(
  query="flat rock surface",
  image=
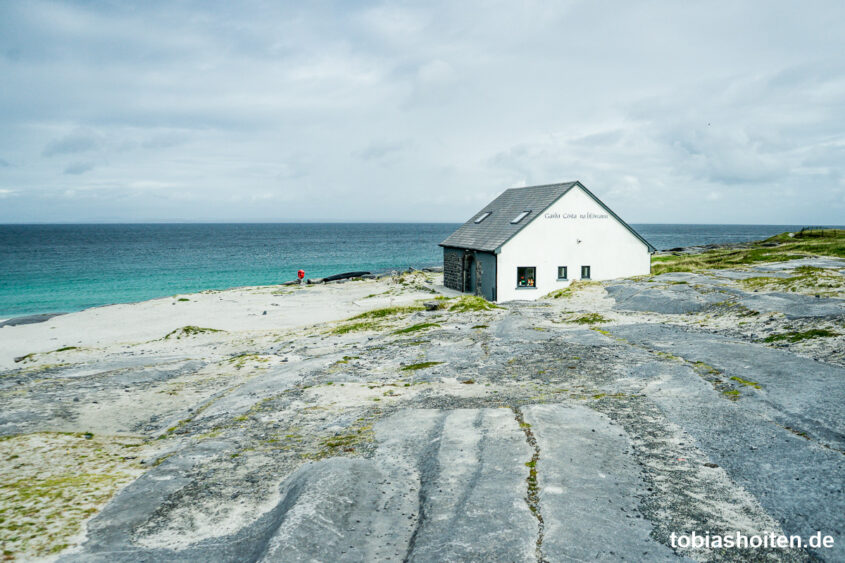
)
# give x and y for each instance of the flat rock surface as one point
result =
(596, 426)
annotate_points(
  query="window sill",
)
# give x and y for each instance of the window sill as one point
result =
(563, 279)
(526, 287)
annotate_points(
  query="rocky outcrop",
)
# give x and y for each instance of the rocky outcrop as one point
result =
(593, 426)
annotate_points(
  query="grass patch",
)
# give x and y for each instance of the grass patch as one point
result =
(826, 242)
(53, 482)
(188, 331)
(370, 320)
(746, 382)
(469, 303)
(706, 368)
(415, 328)
(731, 394)
(807, 279)
(241, 360)
(590, 319)
(346, 442)
(183, 299)
(421, 365)
(799, 336)
(356, 327)
(346, 359)
(569, 290)
(387, 312)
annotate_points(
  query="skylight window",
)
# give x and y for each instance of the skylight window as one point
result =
(482, 217)
(520, 217)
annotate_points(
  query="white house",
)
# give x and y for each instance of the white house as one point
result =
(530, 241)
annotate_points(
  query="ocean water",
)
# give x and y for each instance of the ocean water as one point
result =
(64, 268)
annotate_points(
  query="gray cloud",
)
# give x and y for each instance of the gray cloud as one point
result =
(380, 151)
(76, 168)
(73, 143)
(400, 112)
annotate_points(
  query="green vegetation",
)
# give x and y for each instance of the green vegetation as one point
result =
(799, 336)
(532, 497)
(826, 242)
(558, 293)
(797, 432)
(183, 299)
(345, 442)
(808, 279)
(735, 308)
(241, 360)
(731, 394)
(667, 356)
(55, 481)
(346, 359)
(351, 438)
(746, 382)
(190, 330)
(415, 328)
(370, 320)
(569, 290)
(590, 319)
(28, 358)
(468, 303)
(415, 342)
(702, 367)
(480, 326)
(355, 327)
(421, 365)
(387, 312)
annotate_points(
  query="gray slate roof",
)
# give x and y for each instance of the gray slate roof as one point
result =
(497, 229)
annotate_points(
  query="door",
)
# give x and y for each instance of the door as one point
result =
(469, 274)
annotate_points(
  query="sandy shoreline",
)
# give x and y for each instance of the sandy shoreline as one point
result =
(240, 309)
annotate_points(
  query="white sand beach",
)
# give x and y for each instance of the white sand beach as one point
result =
(243, 309)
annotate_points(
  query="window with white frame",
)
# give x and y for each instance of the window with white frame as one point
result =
(526, 276)
(520, 217)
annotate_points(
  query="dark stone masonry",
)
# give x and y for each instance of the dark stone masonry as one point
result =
(452, 268)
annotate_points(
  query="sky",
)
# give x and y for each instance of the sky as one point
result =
(670, 112)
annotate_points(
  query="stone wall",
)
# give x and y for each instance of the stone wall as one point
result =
(479, 271)
(453, 268)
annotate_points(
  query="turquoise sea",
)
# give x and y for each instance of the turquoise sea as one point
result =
(64, 268)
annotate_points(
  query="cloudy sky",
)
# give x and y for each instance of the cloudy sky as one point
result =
(700, 112)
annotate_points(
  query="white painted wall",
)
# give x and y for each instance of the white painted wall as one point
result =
(550, 240)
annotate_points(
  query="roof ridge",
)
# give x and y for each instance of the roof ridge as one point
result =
(554, 185)
(495, 229)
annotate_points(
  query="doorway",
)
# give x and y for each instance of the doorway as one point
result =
(469, 274)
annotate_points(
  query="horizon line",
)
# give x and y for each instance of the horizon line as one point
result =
(348, 222)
